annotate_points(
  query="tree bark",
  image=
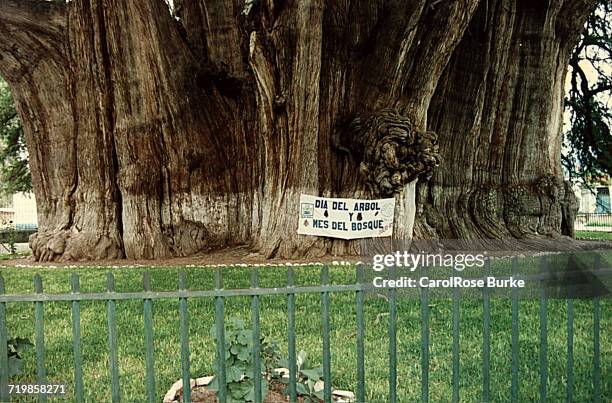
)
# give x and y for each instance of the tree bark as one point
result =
(155, 133)
(499, 111)
(72, 173)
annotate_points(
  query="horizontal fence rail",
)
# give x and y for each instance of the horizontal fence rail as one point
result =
(325, 289)
(244, 292)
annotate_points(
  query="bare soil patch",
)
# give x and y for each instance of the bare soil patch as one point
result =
(238, 255)
(228, 256)
(201, 394)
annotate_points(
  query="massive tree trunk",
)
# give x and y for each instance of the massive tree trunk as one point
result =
(498, 110)
(156, 132)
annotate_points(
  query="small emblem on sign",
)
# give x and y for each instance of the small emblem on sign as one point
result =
(307, 210)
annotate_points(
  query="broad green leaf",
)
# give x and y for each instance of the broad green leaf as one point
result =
(301, 389)
(235, 349)
(244, 354)
(15, 366)
(243, 338)
(312, 374)
(234, 374)
(214, 384)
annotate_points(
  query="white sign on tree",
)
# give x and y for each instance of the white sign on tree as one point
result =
(345, 218)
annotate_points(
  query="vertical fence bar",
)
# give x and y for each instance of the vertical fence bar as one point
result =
(326, 350)
(41, 371)
(148, 328)
(76, 341)
(543, 333)
(220, 335)
(112, 339)
(570, 345)
(4, 395)
(291, 335)
(256, 336)
(184, 325)
(360, 337)
(596, 351)
(486, 335)
(515, 337)
(424, 341)
(392, 338)
(456, 344)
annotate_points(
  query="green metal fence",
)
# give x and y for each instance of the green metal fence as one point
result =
(39, 298)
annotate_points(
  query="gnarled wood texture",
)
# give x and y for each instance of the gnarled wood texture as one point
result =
(155, 133)
(498, 109)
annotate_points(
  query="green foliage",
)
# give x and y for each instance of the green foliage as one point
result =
(270, 354)
(240, 380)
(588, 142)
(14, 170)
(16, 347)
(309, 379)
(7, 236)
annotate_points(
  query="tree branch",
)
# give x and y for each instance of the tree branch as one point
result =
(584, 82)
(573, 15)
(30, 30)
(598, 89)
(34, 14)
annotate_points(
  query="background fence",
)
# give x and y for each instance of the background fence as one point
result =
(324, 290)
(594, 221)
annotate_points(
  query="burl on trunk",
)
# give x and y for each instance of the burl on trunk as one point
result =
(157, 131)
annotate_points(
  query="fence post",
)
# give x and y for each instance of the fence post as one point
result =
(256, 336)
(392, 338)
(291, 334)
(360, 337)
(326, 350)
(596, 351)
(148, 327)
(456, 297)
(112, 339)
(543, 333)
(184, 328)
(486, 335)
(570, 343)
(76, 341)
(424, 341)
(220, 333)
(4, 395)
(40, 338)
(515, 337)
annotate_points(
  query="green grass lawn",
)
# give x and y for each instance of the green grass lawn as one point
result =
(10, 256)
(599, 235)
(59, 358)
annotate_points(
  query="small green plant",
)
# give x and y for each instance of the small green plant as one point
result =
(240, 380)
(16, 347)
(309, 382)
(7, 235)
(271, 356)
